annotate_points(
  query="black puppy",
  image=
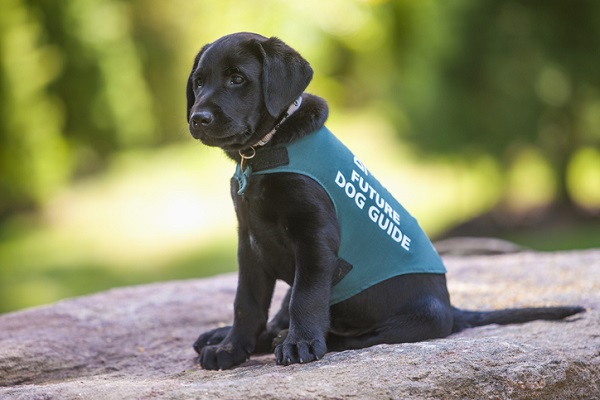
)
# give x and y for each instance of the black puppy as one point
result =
(245, 95)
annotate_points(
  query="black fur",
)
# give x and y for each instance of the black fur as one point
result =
(238, 89)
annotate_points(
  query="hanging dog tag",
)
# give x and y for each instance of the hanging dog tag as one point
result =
(242, 173)
(242, 178)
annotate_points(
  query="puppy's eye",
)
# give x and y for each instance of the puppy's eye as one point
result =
(199, 82)
(237, 79)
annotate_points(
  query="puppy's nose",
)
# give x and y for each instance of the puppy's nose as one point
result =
(203, 118)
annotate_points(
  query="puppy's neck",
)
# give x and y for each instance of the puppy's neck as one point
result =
(308, 118)
(290, 111)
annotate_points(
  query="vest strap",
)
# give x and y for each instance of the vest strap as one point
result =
(268, 158)
(342, 269)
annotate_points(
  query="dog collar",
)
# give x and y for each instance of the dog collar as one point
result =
(291, 109)
(243, 172)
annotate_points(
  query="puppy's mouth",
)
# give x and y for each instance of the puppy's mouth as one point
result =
(235, 141)
(216, 129)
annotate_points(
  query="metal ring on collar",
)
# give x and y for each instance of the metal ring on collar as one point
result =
(246, 157)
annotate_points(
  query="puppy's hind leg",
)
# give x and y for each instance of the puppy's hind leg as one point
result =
(430, 319)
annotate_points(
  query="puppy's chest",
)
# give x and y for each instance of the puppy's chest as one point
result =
(272, 251)
(256, 208)
(262, 226)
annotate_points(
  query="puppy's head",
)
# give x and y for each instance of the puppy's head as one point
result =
(239, 87)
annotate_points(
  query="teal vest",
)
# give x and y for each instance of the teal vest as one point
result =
(379, 238)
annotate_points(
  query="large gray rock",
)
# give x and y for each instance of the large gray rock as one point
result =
(135, 343)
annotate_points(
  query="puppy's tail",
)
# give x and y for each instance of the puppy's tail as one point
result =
(468, 319)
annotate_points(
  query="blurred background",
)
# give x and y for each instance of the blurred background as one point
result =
(482, 117)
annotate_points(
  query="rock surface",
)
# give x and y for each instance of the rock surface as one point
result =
(135, 343)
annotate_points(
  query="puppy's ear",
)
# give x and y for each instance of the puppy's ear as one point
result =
(285, 75)
(189, 90)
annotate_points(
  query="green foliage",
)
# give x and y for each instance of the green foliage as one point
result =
(74, 91)
(514, 74)
(33, 152)
(82, 79)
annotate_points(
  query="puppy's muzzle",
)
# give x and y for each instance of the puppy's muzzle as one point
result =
(201, 119)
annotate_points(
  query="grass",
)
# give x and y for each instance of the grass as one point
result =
(570, 237)
(151, 217)
(22, 288)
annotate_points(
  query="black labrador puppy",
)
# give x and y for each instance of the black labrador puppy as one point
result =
(361, 272)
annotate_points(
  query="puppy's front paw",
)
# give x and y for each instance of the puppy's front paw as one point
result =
(294, 351)
(223, 356)
(213, 337)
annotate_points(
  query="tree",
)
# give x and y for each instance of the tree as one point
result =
(505, 74)
(33, 154)
(73, 91)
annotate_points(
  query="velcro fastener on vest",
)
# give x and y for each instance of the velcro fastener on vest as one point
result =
(342, 269)
(268, 158)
